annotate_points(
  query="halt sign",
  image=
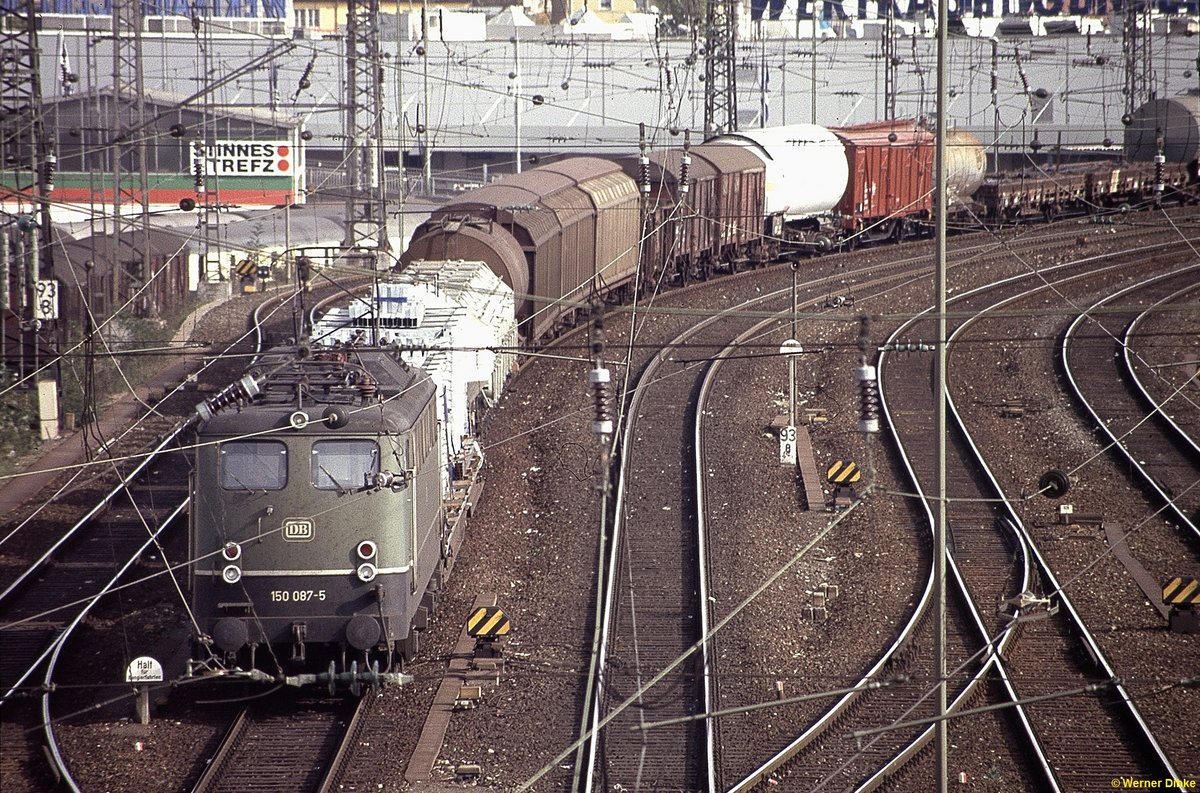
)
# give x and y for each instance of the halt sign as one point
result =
(144, 669)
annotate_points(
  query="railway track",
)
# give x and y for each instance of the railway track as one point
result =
(1047, 659)
(61, 586)
(655, 594)
(637, 753)
(1101, 359)
(289, 745)
(1048, 648)
(987, 575)
(117, 538)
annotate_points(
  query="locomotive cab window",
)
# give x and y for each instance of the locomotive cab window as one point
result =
(344, 464)
(253, 465)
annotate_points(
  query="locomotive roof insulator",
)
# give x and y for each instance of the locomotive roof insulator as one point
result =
(335, 417)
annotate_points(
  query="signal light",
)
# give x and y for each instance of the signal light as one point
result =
(366, 572)
(231, 574)
(232, 551)
(367, 550)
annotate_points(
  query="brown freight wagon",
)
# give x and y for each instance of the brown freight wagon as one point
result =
(890, 176)
(1014, 195)
(680, 237)
(478, 227)
(616, 222)
(1134, 181)
(741, 203)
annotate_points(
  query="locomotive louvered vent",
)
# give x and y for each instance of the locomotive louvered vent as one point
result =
(385, 322)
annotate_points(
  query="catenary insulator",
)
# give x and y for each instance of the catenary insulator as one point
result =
(684, 166)
(243, 390)
(198, 170)
(868, 390)
(601, 380)
(51, 166)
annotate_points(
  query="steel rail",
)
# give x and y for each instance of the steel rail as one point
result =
(228, 741)
(1025, 541)
(595, 683)
(48, 722)
(1102, 425)
(596, 679)
(103, 504)
(1046, 571)
(838, 709)
(764, 770)
(1183, 434)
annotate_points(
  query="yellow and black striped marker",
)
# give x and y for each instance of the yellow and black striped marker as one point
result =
(245, 267)
(1180, 591)
(487, 622)
(844, 472)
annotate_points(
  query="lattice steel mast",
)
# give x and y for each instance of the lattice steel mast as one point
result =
(1137, 49)
(891, 61)
(25, 158)
(720, 65)
(128, 152)
(366, 212)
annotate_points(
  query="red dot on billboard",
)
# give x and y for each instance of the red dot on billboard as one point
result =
(282, 165)
(282, 151)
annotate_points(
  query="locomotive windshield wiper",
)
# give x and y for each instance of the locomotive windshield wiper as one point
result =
(249, 490)
(342, 489)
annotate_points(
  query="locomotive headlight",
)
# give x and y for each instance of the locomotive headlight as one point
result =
(232, 551)
(366, 572)
(231, 574)
(367, 550)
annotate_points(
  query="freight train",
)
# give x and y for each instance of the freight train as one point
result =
(331, 481)
(562, 234)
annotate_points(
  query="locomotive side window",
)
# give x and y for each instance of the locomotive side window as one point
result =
(253, 465)
(344, 464)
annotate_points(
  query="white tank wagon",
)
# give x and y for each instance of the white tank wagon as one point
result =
(806, 167)
(966, 166)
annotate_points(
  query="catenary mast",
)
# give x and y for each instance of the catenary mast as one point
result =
(720, 65)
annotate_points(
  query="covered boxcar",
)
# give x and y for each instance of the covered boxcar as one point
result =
(473, 230)
(612, 198)
(890, 177)
(741, 191)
